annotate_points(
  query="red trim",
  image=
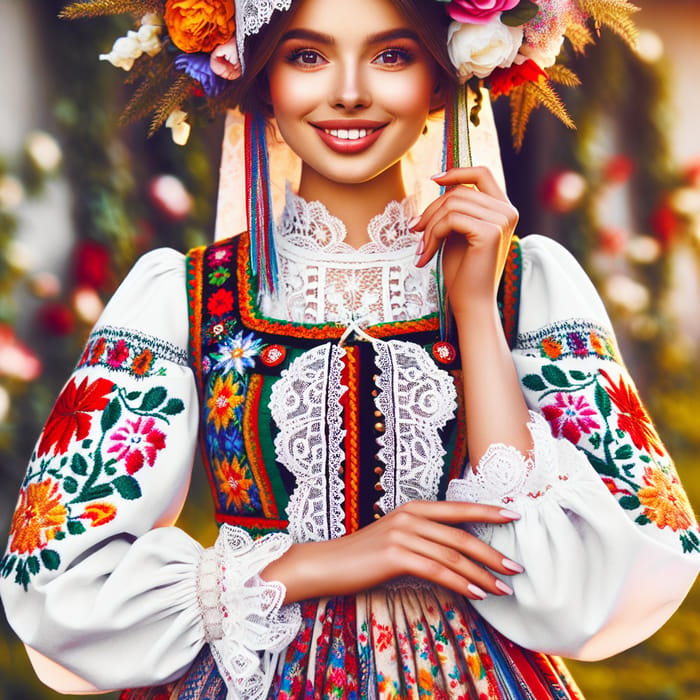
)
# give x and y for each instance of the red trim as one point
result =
(252, 523)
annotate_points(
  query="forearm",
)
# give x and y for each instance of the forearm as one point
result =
(494, 405)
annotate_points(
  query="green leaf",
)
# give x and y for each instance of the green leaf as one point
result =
(7, 564)
(630, 502)
(520, 14)
(127, 487)
(595, 440)
(110, 470)
(51, 559)
(602, 401)
(602, 467)
(555, 376)
(111, 414)
(95, 493)
(75, 527)
(133, 395)
(153, 398)
(534, 382)
(70, 485)
(86, 443)
(578, 375)
(624, 452)
(60, 535)
(79, 465)
(642, 520)
(33, 565)
(173, 407)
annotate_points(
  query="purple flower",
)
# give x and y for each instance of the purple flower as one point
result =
(196, 65)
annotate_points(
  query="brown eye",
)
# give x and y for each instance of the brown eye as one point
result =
(307, 58)
(394, 57)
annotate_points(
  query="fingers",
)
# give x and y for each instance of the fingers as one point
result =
(479, 176)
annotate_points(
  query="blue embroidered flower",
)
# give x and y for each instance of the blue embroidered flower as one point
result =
(196, 65)
(237, 353)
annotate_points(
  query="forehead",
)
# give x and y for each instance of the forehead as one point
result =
(347, 18)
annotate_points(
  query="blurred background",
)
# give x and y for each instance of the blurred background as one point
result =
(81, 197)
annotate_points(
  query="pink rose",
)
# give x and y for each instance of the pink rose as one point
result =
(478, 11)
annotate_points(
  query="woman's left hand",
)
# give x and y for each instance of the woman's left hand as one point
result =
(477, 220)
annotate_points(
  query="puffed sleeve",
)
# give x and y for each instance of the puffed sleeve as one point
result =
(607, 536)
(95, 577)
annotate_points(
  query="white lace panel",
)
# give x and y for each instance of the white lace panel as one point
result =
(305, 405)
(324, 279)
(255, 625)
(417, 399)
(252, 16)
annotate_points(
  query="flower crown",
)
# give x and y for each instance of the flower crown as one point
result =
(185, 54)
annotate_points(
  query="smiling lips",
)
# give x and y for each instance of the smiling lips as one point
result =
(349, 136)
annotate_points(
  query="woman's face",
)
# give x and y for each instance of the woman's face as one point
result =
(351, 87)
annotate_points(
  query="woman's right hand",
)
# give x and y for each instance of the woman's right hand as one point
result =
(420, 538)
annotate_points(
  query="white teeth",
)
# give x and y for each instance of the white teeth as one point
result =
(347, 134)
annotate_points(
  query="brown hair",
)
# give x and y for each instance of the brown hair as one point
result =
(427, 17)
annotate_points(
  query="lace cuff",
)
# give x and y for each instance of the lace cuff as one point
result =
(504, 475)
(253, 625)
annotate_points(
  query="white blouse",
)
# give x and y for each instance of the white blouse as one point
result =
(97, 578)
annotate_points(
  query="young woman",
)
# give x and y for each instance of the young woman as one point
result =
(404, 512)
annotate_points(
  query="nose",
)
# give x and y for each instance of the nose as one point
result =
(351, 90)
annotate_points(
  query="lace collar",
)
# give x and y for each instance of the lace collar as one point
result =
(310, 226)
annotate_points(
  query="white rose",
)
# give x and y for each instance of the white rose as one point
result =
(148, 37)
(544, 56)
(476, 49)
(125, 51)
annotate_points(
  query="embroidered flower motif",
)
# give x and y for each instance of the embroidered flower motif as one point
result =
(142, 363)
(118, 355)
(597, 344)
(199, 25)
(231, 479)
(219, 275)
(38, 518)
(97, 349)
(664, 500)
(219, 256)
(70, 417)
(569, 416)
(137, 442)
(225, 398)
(551, 347)
(632, 417)
(99, 513)
(220, 303)
(238, 353)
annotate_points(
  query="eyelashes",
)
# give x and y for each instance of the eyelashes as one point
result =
(392, 57)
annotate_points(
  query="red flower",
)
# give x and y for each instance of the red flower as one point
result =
(99, 513)
(97, 349)
(632, 417)
(220, 302)
(137, 443)
(56, 319)
(569, 416)
(71, 417)
(142, 362)
(503, 80)
(119, 354)
(91, 264)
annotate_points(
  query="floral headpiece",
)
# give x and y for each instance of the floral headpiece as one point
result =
(186, 53)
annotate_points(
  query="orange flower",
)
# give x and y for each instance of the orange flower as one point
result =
(39, 516)
(199, 25)
(224, 400)
(551, 347)
(664, 500)
(231, 479)
(632, 417)
(99, 513)
(142, 362)
(597, 344)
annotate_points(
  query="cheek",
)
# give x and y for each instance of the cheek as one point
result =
(410, 97)
(290, 94)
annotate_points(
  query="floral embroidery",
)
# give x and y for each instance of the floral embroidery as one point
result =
(231, 480)
(605, 419)
(225, 398)
(664, 500)
(220, 303)
(137, 354)
(137, 443)
(97, 436)
(238, 353)
(577, 338)
(219, 275)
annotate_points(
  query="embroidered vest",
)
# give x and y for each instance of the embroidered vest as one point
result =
(239, 356)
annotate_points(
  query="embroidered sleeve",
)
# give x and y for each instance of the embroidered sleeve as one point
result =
(94, 576)
(607, 536)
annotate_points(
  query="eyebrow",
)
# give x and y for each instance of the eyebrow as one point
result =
(327, 39)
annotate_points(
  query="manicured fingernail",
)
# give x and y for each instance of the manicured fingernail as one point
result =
(438, 176)
(478, 592)
(504, 587)
(510, 514)
(513, 566)
(413, 222)
(421, 247)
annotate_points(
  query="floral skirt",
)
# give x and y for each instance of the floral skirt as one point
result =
(400, 642)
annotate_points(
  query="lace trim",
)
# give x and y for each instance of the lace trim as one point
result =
(256, 625)
(209, 594)
(305, 405)
(504, 475)
(417, 399)
(252, 16)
